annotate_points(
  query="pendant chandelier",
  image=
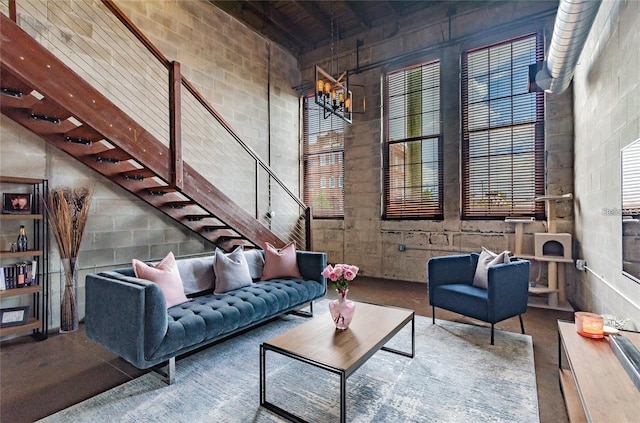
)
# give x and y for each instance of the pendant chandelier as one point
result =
(333, 94)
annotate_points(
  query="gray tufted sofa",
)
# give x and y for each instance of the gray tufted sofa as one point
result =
(129, 316)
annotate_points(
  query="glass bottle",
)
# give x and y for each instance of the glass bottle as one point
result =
(22, 240)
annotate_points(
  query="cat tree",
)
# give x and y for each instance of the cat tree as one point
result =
(552, 248)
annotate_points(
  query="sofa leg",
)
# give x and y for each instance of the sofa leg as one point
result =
(303, 313)
(521, 323)
(168, 374)
(433, 314)
(492, 334)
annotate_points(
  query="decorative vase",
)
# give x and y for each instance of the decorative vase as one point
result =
(342, 310)
(68, 295)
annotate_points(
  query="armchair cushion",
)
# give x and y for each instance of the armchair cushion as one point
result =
(487, 259)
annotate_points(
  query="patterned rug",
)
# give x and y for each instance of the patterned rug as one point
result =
(456, 376)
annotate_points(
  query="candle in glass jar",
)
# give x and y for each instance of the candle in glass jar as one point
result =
(590, 325)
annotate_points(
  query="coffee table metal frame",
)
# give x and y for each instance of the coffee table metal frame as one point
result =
(342, 372)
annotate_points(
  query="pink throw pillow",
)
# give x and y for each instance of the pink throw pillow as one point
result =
(280, 264)
(166, 275)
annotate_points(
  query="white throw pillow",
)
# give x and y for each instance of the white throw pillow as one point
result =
(196, 273)
(488, 258)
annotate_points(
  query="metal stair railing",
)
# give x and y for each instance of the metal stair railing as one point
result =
(104, 47)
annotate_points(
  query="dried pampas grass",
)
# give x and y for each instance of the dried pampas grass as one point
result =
(68, 210)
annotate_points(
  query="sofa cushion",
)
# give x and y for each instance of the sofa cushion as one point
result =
(281, 263)
(196, 273)
(166, 275)
(231, 270)
(487, 258)
(210, 316)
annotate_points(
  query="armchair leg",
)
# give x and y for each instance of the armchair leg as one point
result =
(521, 323)
(433, 314)
(492, 334)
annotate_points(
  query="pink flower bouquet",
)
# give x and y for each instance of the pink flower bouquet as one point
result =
(340, 275)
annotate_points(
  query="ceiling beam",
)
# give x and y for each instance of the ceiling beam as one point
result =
(322, 18)
(395, 8)
(360, 12)
(272, 16)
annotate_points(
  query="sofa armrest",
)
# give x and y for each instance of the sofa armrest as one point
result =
(311, 264)
(127, 315)
(508, 289)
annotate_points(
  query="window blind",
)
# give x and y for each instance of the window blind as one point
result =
(413, 143)
(631, 180)
(503, 131)
(323, 153)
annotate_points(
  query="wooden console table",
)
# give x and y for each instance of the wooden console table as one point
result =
(596, 388)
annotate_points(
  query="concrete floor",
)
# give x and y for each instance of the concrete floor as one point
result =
(40, 378)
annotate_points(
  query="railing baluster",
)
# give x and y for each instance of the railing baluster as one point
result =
(175, 125)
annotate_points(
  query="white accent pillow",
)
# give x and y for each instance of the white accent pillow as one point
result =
(196, 273)
(488, 258)
(231, 270)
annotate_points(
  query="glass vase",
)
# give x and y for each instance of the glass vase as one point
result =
(342, 310)
(69, 318)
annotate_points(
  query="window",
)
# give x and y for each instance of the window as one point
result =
(323, 145)
(503, 131)
(413, 143)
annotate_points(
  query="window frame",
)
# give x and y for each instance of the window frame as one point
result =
(323, 163)
(403, 209)
(535, 127)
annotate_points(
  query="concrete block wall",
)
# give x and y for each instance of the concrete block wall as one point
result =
(371, 242)
(607, 118)
(229, 64)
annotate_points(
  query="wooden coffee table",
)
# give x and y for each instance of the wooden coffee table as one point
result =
(318, 343)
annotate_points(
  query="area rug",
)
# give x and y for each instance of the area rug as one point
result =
(456, 376)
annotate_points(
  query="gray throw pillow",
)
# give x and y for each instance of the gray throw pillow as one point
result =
(487, 258)
(255, 259)
(231, 270)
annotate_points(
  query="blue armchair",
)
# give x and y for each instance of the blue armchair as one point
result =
(450, 287)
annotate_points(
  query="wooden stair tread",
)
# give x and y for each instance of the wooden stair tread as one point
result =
(14, 84)
(113, 154)
(85, 133)
(198, 217)
(179, 204)
(138, 174)
(211, 228)
(45, 107)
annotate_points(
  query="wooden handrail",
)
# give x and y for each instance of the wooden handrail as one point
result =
(137, 33)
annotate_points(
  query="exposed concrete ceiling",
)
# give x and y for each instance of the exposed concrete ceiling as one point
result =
(302, 26)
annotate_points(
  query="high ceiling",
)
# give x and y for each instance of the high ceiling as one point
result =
(302, 26)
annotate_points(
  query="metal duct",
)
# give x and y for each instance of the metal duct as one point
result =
(573, 23)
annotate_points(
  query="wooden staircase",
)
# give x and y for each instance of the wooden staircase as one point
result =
(42, 94)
